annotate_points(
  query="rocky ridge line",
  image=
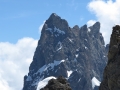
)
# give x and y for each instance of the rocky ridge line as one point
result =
(78, 54)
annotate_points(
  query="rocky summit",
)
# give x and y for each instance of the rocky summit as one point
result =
(111, 77)
(57, 84)
(78, 54)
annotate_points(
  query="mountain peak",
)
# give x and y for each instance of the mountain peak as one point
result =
(72, 53)
(54, 14)
(97, 23)
(55, 20)
(95, 28)
(54, 27)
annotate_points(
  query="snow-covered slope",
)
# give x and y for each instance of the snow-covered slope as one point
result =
(44, 82)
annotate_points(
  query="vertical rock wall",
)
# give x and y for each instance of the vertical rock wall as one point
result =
(111, 76)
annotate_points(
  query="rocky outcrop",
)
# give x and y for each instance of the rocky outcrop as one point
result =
(77, 53)
(57, 84)
(111, 77)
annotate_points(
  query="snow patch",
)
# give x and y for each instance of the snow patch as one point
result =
(79, 80)
(55, 14)
(50, 65)
(69, 73)
(60, 44)
(29, 78)
(75, 59)
(85, 39)
(94, 73)
(86, 47)
(77, 49)
(76, 55)
(44, 82)
(71, 40)
(104, 56)
(36, 81)
(59, 31)
(49, 29)
(89, 30)
(95, 82)
(55, 71)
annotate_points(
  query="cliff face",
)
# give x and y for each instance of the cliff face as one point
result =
(111, 77)
(77, 53)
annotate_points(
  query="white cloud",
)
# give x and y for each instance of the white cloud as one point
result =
(4, 84)
(108, 13)
(14, 62)
(41, 26)
(91, 22)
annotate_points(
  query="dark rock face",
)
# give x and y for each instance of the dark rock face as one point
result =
(57, 84)
(78, 54)
(111, 77)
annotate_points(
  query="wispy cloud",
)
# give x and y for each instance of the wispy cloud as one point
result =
(81, 18)
(73, 4)
(19, 15)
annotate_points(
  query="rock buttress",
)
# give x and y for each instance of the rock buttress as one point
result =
(111, 76)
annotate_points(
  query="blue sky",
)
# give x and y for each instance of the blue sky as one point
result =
(21, 21)
(22, 18)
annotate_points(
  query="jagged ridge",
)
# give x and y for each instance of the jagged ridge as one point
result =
(76, 53)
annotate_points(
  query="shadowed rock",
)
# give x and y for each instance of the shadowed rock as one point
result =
(111, 76)
(57, 84)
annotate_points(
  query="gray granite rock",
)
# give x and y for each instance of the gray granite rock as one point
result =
(61, 50)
